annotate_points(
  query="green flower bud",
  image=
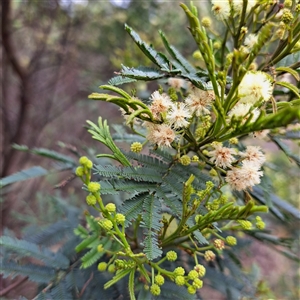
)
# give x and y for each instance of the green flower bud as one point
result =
(231, 240)
(179, 280)
(198, 218)
(100, 248)
(195, 158)
(198, 283)
(288, 3)
(136, 147)
(217, 45)
(160, 280)
(191, 290)
(209, 255)
(79, 171)
(89, 164)
(111, 207)
(83, 160)
(234, 141)
(287, 17)
(120, 219)
(179, 271)
(247, 225)
(94, 187)
(185, 160)
(111, 268)
(219, 244)
(213, 173)
(107, 224)
(197, 55)
(297, 8)
(260, 225)
(155, 289)
(171, 255)
(206, 22)
(193, 274)
(200, 269)
(102, 266)
(223, 199)
(91, 199)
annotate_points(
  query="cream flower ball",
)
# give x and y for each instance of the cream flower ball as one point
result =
(255, 86)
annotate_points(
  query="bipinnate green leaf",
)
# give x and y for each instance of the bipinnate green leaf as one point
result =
(101, 133)
(176, 55)
(27, 249)
(290, 71)
(151, 222)
(154, 56)
(142, 73)
(36, 273)
(119, 80)
(29, 173)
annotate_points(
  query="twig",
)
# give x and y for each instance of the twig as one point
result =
(12, 286)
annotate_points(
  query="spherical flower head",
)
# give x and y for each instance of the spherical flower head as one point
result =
(206, 22)
(160, 280)
(136, 147)
(180, 280)
(79, 171)
(155, 290)
(241, 178)
(287, 17)
(246, 225)
(179, 271)
(255, 86)
(91, 199)
(231, 240)
(178, 116)
(222, 156)
(111, 207)
(120, 218)
(198, 283)
(209, 255)
(198, 101)
(102, 266)
(200, 269)
(161, 103)
(171, 255)
(219, 244)
(297, 8)
(107, 224)
(89, 164)
(94, 187)
(251, 40)
(217, 45)
(161, 134)
(185, 160)
(260, 225)
(221, 9)
(253, 154)
(83, 160)
(193, 274)
(191, 290)
(197, 55)
(111, 268)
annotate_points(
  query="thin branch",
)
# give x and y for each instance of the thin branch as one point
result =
(12, 286)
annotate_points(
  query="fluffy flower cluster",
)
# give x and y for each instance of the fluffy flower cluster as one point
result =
(239, 177)
(223, 9)
(254, 87)
(248, 174)
(175, 115)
